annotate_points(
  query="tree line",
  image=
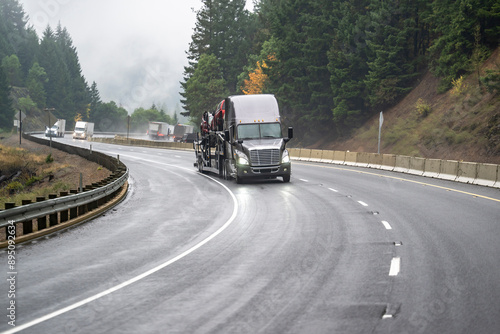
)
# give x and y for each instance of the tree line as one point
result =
(48, 69)
(333, 64)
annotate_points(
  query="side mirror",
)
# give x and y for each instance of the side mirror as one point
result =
(290, 135)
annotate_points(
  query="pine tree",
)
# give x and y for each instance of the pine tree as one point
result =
(204, 89)
(6, 110)
(36, 80)
(222, 29)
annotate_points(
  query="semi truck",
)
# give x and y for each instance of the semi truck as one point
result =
(57, 130)
(83, 130)
(180, 130)
(159, 130)
(249, 144)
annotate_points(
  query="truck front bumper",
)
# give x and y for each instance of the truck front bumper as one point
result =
(246, 171)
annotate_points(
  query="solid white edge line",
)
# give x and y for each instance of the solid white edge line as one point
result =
(395, 266)
(139, 277)
(386, 225)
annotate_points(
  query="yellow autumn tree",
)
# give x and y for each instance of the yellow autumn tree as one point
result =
(78, 117)
(257, 78)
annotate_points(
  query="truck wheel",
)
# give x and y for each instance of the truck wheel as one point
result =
(238, 178)
(286, 178)
(200, 165)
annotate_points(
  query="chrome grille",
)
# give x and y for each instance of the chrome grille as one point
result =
(265, 157)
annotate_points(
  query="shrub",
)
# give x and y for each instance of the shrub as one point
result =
(458, 86)
(49, 158)
(423, 108)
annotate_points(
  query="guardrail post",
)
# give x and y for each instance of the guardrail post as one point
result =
(27, 225)
(53, 218)
(73, 212)
(9, 205)
(41, 221)
(63, 215)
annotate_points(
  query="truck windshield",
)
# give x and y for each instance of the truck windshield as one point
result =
(258, 131)
(79, 129)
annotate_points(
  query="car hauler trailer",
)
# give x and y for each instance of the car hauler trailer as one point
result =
(250, 144)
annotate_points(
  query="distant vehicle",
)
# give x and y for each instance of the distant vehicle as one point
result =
(159, 130)
(57, 130)
(83, 130)
(189, 138)
(180, 130)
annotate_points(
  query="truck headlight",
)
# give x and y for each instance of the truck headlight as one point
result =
(285, 157)
(241, 158)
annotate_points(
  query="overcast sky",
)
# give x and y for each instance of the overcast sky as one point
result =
(134, 50)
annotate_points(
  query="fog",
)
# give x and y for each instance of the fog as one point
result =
(133, 50)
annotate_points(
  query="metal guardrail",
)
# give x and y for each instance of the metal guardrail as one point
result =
(36, 210)
(56, 211)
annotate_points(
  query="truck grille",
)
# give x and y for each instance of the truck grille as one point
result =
(265, 157)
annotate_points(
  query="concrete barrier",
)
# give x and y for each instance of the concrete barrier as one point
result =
(351, 158)
(327, 157)
(363, 159)
(467, 172)
(487, 175)
(449, 170)
(432, 168)
(294, 153)
(316, 155)
(375, 160)
(339, 157)
(417, 166)
(388, 162)
(305, 154)
(402, 164)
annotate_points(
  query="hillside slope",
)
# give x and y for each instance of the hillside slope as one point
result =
(463, 126)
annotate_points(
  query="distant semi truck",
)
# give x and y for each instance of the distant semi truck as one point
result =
(180, 130)
(57, 130)
(83, 130)
(159, 130)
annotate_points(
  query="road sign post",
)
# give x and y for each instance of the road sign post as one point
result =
(381, 121)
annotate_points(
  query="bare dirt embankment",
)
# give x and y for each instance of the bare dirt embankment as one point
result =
(25, 172)
(463, 126)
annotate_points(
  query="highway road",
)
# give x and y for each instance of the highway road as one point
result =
(336, 250)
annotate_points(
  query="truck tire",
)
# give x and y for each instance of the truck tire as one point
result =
(200, 165)
(286, 178)
(238, 178)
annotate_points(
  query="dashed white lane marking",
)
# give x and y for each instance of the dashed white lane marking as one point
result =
(334, 190)
(304, 180)
(395, 266)
(145, 274)
(362, 203)
(386, 225)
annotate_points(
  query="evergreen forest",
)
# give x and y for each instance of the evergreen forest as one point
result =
(334, 64)
(331, 64)
(43, 73)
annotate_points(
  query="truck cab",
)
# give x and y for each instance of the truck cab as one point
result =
(255, 146)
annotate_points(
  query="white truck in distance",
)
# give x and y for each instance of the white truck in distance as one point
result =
(83, 130)
(57, 130)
